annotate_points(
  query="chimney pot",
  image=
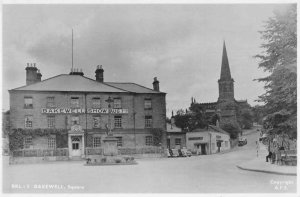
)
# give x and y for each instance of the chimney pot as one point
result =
(99, 74)
(33, 74)
(155, 84)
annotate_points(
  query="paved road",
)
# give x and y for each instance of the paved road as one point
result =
(200, 174)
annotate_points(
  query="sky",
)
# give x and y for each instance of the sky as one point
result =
(179, 44)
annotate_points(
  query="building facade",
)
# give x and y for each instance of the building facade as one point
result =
(75, 112)
(176, 137)
(208, 141)
(226, 109)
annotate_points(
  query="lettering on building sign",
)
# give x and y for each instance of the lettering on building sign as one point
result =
(218, 137)
(82, 111)
(195, 138)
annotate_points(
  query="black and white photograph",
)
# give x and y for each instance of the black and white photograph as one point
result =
(149, 98)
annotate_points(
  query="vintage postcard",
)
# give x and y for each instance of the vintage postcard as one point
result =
(185, 98)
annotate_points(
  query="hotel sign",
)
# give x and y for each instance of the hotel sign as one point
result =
(83, 111)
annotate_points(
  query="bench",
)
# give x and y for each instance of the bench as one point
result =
(288, 157)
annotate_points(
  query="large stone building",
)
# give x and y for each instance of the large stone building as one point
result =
(74, 112)
(226, 108)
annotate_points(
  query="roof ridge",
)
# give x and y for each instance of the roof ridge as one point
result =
(137, 85)
(105, 84)
(146, 87)
(218, 129)
(38, 82)
(117, 87)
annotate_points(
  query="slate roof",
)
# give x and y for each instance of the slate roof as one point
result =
(213, 128)
(132, 87)
(77, 83)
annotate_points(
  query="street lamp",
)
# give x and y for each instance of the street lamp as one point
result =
(109, 101)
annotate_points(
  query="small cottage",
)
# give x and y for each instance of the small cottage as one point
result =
(209, 140)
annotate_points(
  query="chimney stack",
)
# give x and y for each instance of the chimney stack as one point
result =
(33, 75)
(99, 74)
(155, 84)
(76, 71)
(39, 75)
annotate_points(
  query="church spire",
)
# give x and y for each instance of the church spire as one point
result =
(225, 70)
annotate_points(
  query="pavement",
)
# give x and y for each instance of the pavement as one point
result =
(259, 164)
(215, 173)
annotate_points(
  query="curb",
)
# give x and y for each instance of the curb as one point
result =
(266, 171)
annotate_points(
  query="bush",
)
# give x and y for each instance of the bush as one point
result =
(118, 160)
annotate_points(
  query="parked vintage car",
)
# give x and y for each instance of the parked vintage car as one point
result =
(178, 152)
(242, 141)
(186, 152)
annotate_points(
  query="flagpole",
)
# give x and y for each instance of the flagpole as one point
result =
(72, 50)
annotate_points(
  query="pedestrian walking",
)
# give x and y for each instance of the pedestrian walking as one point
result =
(257, 148)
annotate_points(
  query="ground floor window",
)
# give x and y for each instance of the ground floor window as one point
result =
(226, 143)
(149, 140)
(120, 141)
(27, 142)
(51, 142)
(96, 142)
(178, 141)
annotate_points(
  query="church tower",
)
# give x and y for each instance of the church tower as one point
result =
(226, 87)
(226, 102)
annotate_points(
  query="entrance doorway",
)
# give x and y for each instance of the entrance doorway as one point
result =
(203, 149)
(168, 143)
(219, 142)
(76, 146)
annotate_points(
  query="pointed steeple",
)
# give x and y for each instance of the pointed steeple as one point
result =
(225, 70)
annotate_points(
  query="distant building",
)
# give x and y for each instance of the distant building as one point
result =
(226, 109)
(71, 112)
(176, 137)
(208, 141)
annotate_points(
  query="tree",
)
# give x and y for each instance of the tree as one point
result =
(232, 129)
(279, 59)
(191, 120)
(258, 114)
(246, 119)
(182, 120)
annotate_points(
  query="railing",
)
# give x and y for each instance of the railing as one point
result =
(127, 151)
(93, 151)
(141, 150)
(88, 151)
(40, 152)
